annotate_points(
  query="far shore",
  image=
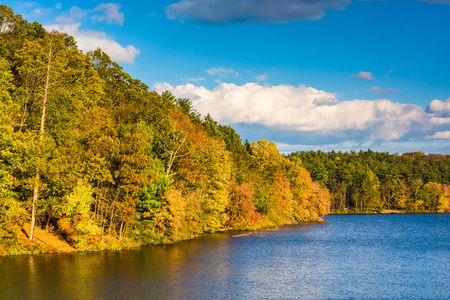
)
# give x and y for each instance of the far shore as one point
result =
(355, 212)
(384, 211)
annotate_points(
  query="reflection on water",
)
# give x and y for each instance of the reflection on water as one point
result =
(377, 256)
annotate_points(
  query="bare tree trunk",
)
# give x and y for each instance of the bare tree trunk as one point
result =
(111, 222)
(124, 229)
(121, 229)
(41, 136)
(48, 219)
(102, 220)
(174, 151)
(33, 209)
(96, 204)
(178, 140)
(388, 199)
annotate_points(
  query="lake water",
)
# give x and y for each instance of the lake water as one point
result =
(348, 257)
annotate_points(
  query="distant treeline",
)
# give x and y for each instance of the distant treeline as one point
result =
(93, 155)
(372, 181)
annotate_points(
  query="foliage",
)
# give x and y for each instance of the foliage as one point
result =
(372, 181)
(119, 165)
(241, 211)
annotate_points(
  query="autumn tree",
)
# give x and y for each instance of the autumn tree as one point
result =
(241, 211)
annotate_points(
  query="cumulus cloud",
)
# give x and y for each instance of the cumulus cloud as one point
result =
(90, 40)
(363, 76)
(109, 12)
(70, 22)
(289, 148)
(439, 107)
(426, 146)
(443, 135)
(252, 11)
(439, 121)
(304, 109)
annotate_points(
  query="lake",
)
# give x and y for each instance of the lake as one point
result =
(397, 256)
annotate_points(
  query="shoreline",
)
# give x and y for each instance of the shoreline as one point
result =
(51, 244)
(48, 246)
(385, 212)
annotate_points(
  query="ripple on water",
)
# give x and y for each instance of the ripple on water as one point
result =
(347, 257)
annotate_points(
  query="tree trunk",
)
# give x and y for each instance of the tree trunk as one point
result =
(41, 136)
(121, 230)
(48, 220)
(111, 223)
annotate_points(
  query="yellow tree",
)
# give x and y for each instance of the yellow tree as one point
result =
(273, 197)
(36, 65)
(311, 201)
(203, 176)
(55, 80)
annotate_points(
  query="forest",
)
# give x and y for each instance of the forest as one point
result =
(369, 181)
(95, 157)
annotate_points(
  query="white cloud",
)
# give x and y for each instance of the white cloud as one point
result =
(26, 4)
(289, 148)
(377, 90)
(91, 40)
(70, 22)
(110, 13)
(104, 12)
(252, 11)
(439, 121)
(222, 72)
(74, 14)
(58, 5)
(440, 106)
(392, 91)
(363, 76)
(445, 135)
(41, 12)
(426, 146)
(261, 77)
(304, 109)
(194, 79)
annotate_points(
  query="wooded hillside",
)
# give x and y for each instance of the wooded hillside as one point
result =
(93, 155)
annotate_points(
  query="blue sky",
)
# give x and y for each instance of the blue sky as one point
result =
(308, 75)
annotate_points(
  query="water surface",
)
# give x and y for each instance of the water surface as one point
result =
(347, 257)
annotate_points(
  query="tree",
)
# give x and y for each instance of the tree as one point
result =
(181, 129)
(40, 75)
(310, 200)
(241, 211)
